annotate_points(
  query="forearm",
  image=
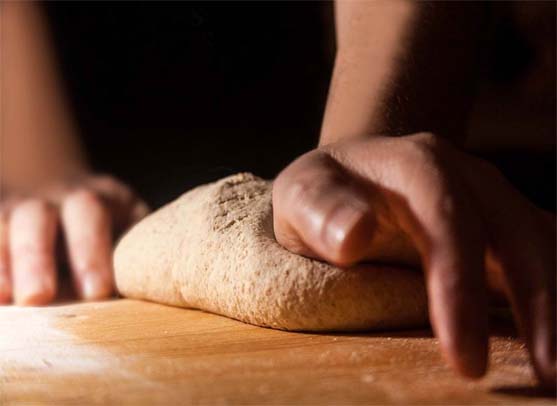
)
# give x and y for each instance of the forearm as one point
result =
(39, 142)
(403, 66)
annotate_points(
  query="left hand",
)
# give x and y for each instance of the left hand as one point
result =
(89, 212)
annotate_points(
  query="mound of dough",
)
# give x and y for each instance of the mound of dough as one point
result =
(214, 249)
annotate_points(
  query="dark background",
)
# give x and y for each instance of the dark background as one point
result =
(171, 95)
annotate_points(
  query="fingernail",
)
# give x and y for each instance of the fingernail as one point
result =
(342, 221)
(94, 286)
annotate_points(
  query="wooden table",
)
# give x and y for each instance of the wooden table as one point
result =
(129, 352)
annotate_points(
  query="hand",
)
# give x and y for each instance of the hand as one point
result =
(413, 200)
(89, 213)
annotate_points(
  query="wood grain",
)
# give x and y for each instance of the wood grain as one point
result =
(129, 352)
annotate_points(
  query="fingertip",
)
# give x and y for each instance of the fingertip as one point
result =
(467, 354)
(474, 366)
(348, 234)
(545, 365)
(36, 292)
(95, 286)
(461, 324)
(458, 309)
(5, 292)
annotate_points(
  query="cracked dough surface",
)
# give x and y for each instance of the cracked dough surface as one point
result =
(214, 249)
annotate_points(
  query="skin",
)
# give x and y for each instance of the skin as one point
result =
(87, 216)
(416, 199)
(45, 200)
(346, 202)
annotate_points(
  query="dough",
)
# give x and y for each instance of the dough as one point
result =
(214, 249)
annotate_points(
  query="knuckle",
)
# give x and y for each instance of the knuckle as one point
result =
(301, 189)
(83, 197)
(110, 185)
(106, 179)
(323, 175)
(33, 204)
(429, 144)
(412, 156)
(84, 202)
(31, 209)
(37, 255)
(429, 140)
(422, 147)
(306, 190)
(315, 162)
(421, 162)
(418, 166)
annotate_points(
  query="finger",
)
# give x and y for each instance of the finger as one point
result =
(5, 279)
(319, 211)
(430, 205)
(87, 226)
(122, 202)
(138, 211)
(527, 256)
(32, 236)
(533, 303)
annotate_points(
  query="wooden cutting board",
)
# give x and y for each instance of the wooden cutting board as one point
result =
(129, 352)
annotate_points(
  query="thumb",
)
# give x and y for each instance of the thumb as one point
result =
(321, 211)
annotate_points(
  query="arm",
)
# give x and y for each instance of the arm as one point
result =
(39, 142)
(402, 67)
(47, 187)
(405, 67)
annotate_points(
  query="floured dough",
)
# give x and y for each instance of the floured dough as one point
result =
(214, 249)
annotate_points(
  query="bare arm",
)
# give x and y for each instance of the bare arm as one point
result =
(47, 187)
(407, 68)
(403, 66)
(39, 142)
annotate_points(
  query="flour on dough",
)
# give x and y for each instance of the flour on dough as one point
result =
(214, 249)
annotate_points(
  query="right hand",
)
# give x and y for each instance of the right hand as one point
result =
(417, 200)
(90, 213)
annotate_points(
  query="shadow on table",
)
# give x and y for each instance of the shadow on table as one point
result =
(498, 328)
(525, 391)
